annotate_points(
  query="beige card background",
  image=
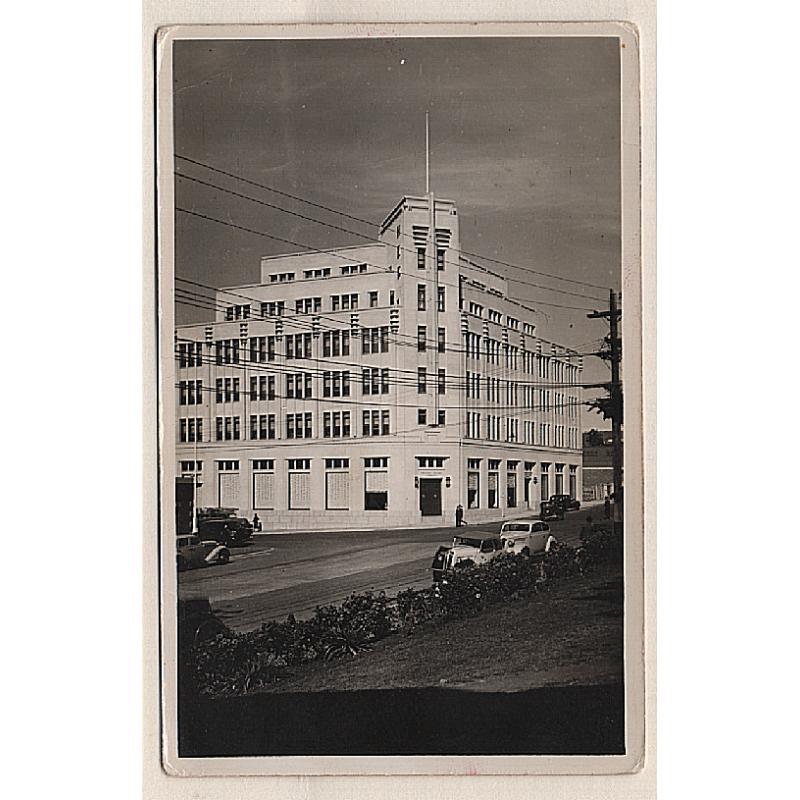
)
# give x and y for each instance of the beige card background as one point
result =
(625, 776)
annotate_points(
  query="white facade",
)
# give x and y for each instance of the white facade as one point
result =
(376, 386)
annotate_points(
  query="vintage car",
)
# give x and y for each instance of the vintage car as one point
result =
(550, 510)
(527, 537)
(566, 502)
(230, 531)
(465, 551)
(194, 552)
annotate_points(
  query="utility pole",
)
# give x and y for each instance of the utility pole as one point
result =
(616, 409)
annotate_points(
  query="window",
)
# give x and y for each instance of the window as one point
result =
(262, 426)
(440, 260)
(422, 380)
(440, 340)
(308, 305)
(336, 424)
(299, 386)
(511, 487)
(281, 277)
(275, 308)
(373, 299)
(228, 428)
(421, 338)
(375, 340)
(191, 466)
(337, 484)
(440, 381)
(492, 499)
(476, 309)
(353, 269)
(336, 384)
(322, 272)
(299, 426)
(375, 380)
(376, 484)
(264, 484)
(473, 425)
(421, 297)
(335, 343)
(442, 418)
(473, 483)
(440, 298)
(299, 484)
(298, 345)
(431, 462)
(237, 312)
(422, 416)
(375, 422)
(420, 258)
(190, 393)
(191, 429)
(227, 351)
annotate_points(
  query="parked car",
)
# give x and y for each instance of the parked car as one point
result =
(550, 510)
(465, 551)
(192, 551)
(566, 502)
(526, 537)
(230, 531)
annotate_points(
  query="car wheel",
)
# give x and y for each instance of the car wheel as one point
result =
(224, 557)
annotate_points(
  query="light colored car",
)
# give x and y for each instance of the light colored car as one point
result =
(193, 552)
(466, 550)
(526, 537)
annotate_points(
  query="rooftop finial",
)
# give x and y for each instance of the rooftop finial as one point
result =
(427, 154)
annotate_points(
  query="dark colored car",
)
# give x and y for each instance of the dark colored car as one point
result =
(230, 531)
(550, 510)
(568, 503)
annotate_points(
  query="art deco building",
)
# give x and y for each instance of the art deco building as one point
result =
(377, 386)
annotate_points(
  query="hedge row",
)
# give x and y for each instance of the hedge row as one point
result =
(235, 663)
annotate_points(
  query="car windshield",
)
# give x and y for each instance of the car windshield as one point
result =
(515, 526)
(466, 540)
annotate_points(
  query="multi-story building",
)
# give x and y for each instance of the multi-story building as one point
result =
(377, 386)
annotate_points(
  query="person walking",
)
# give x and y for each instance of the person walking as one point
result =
(459, 515)
(607, 507)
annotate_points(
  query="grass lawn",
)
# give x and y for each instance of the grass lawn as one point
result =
(542, 675)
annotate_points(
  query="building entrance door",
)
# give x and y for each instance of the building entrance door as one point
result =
(430, 497)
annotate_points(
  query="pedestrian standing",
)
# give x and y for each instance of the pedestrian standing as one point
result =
(256, 523)
(607, 506)
(459, 515)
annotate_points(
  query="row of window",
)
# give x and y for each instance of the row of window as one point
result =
(508, 429)
(318, 272)
(335, 424)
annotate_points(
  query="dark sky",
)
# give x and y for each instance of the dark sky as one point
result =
(524, 139)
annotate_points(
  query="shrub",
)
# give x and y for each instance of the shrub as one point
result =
(560, 562)
(232, 663)
(603, 545)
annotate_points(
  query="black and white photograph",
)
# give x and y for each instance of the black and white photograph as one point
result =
(395, 507)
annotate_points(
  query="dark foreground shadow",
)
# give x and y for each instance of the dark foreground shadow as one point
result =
(563, 720)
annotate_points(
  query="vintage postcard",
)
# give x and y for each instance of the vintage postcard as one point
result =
(401, 515)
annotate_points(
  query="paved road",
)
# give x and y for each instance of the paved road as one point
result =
(279, 574)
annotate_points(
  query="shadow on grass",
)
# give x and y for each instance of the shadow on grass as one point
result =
(563, 720)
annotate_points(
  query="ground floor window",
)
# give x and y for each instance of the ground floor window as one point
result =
(376, 484)
(573, 481)
(337, 484)
(494, 479)
(511, 489)
(473, 490)
(264, 484)
(228, 484)
(299, 484)
(545, 480)
(559, 479)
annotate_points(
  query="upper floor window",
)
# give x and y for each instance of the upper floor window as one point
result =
(237, 312)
